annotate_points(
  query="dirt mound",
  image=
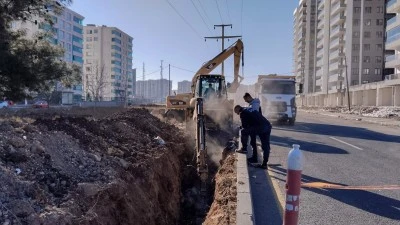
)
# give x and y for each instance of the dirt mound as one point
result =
(223, 209)
(65, 169)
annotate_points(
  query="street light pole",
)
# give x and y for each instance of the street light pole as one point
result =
(347, 83)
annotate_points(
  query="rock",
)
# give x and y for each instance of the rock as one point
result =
(17, 142)
(16, 156)
(37, 148)
(124, 163)
(63, 183)
(97, 157)
(88, 189)
(6, 127)
(29, 128)
(21, 208)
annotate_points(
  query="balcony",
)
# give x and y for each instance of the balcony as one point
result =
(320, 52)
(338, 18)
(335, 54)
(320, 15)
(392, 23)
(318, 82)
(320, 43)
(335, 66)
(392, 61)
(393, 42)
(320, 34)
(337, 31)
(393, 6)
(321, 24)
(338, 7)
(301, 23)
(320, 63)
(321, 5)
(301, 37)
(319, 73)
(336, 43)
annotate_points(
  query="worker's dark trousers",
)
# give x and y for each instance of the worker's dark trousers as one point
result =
(264, 135)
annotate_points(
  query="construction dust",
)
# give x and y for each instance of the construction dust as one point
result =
(85, 166)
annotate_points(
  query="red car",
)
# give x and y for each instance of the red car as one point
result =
(41, 104)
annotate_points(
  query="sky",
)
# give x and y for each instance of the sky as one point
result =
(174, 31)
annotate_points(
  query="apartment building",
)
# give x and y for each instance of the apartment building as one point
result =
(184, 87)
(68, 33)
(392, 45)
(108, 73)
(153, 89)
(349, 39)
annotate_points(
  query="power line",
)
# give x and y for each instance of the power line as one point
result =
(219, 11)
(201, 16)
(229, 15)
(205, 12)
(183, 18)
(182, 69)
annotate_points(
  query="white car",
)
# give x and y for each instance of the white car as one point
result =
(3, 104)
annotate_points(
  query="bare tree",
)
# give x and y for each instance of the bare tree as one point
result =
(96, 81)
(123, 91)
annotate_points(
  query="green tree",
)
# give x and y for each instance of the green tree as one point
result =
(31, 65)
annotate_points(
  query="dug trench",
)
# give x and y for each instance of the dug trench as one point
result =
(125, 168)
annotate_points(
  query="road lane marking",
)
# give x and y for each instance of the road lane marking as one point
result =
(346, 143)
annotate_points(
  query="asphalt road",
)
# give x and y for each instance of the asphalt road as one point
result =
(341, 152)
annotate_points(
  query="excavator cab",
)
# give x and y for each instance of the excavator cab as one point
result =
(210, 87)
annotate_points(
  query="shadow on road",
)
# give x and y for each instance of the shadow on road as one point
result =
(340, 131)
(364, 200)
(315, 147)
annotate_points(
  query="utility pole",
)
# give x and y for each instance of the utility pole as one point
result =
(169, 79)
(223, 37)
(144, 72)
(347, 83)
(161, 80)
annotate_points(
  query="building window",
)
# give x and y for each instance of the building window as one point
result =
(379, 9)
(379, 47)
(89, 39)
(89, 53)
(88, 46)
(95, 39)
(367, 34)
(367, 22)
(357, 9)
(77, 59)
(354, 71)
(116, 55)
(61, 34)
(377, 71)
(356, 34)
(356, 47)
(68, 26)
(89, 31)
(76, 49)
(69, 46)
(366, 59)
(366, 71)
(95, 31)
(354, 82)
(77, 20)
(116, 33)
(117, 70)
(115, 62)
(77, 39)
(367, 47)
(368, 9)
(379, 22)
(378, 59)
(116, 40)
(355, 59)
(115, 47)
(78, 30)
(379, 34)
(356, 22)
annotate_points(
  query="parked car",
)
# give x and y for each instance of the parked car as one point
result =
(3, 104)
(41, 104)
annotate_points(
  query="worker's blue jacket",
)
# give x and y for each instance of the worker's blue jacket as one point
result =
(252, 119)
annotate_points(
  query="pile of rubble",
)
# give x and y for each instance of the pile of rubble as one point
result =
(367, 111)
(121, 169)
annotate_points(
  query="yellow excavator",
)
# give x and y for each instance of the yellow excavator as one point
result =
(208, 104)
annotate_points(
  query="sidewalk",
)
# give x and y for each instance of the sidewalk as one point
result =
(373, 120)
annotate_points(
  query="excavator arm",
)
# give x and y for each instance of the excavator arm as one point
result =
(237, 50)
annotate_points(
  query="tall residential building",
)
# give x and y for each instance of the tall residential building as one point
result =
(153, 89)
(108, 73)
(392, 53)
(184, 86)
(68, 33)
(349, 34)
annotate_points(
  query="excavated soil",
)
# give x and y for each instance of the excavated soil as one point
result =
(62, 169)
(88, 166)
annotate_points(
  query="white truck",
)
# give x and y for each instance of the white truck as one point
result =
(277, 94)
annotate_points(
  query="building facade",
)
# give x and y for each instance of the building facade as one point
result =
(184, 87)
(108, 73)
(392, 45)
(347, 38)
(153, 89)
(68, 33)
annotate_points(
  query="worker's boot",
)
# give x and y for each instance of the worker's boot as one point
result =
(243, 150)
(253, 160)
(264, 165)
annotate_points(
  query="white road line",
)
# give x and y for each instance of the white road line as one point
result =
(346, 143)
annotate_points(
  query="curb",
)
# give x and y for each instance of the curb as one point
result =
(361, 118)
(244, 208)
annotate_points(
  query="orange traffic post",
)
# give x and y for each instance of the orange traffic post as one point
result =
(293, 186)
